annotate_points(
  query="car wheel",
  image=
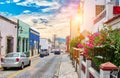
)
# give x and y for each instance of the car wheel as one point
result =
(22, 66)
(4, 68)
(29, 63)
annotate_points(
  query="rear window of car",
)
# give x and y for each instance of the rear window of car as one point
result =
(44, 50)
(12, 55)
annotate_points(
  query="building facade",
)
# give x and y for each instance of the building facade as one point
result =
(34, 40)
(99, 12)
(23, 37)
(67, 43)
(8, 36)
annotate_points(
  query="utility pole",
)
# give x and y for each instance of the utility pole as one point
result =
(54, 38)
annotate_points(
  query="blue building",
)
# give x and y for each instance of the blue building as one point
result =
(34, 39)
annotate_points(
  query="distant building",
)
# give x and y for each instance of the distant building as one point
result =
(67, 43)
(8, 36)
(34, 40)
(74, 28)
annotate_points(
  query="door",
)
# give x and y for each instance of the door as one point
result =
(9, 44)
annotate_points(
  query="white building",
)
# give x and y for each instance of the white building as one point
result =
(8, 36)
(96, 12)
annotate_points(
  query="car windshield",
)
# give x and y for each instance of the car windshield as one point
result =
(12, 55)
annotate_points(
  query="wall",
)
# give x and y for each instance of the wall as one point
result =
(34, 42)
(88, 14)
(7, 29)
(23, 37)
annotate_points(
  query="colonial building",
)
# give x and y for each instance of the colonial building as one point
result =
(23, 37)
(8, 36)
(96, 12)
(114, 22)
(67, 43)
(34, 40)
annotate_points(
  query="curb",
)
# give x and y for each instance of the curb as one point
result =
(32, 57)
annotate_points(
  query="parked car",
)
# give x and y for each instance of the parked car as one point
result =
(15, 59)
(53, 50)
(57, 51)
(44, 52)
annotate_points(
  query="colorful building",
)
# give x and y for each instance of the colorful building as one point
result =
(8, 36)
(67, 43)
(34, 39)
(23, 37)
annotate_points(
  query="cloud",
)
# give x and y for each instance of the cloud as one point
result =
(2, 3)
(16, 0)
(26, 11)
(50, 24)
(38, 3)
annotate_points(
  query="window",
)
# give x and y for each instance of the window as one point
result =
(117, 2)
(12, 55)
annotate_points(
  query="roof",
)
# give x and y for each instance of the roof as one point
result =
(2, 17)
(112, 19)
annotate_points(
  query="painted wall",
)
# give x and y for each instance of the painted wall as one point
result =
(7, 29)
(88, 14)
(34, 39)
(23, 37)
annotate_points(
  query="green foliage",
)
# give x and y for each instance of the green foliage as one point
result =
(109, 49)
(73, 43)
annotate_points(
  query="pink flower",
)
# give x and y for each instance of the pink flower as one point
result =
(91, 37)
(80, 46)
(96, 34)
(85, 51)
(90, 45)
(99, 44)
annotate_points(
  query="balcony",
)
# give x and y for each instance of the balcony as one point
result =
(100, 17)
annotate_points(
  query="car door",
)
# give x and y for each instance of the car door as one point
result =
(25, 59)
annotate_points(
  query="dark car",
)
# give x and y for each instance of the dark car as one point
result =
(57, 51)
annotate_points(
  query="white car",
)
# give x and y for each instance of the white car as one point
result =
(15, 59)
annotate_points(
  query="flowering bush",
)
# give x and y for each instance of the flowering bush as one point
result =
(103, 46)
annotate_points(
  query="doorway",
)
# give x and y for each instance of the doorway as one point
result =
(9, 44)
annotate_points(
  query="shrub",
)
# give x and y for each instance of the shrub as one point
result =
(105, 47)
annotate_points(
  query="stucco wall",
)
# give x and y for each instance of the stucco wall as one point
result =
(7, 29)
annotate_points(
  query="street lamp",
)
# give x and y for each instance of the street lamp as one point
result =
(20, 29)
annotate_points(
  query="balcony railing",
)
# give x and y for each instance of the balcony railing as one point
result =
(100, 17)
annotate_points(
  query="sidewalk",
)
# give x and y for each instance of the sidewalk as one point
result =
(66, 68)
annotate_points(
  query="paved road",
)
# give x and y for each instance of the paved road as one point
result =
(41, 68)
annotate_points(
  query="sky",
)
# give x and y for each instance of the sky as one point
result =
(49, 17)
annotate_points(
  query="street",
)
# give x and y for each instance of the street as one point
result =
(40, 68)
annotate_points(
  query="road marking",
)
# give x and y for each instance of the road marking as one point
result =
(17, 73)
